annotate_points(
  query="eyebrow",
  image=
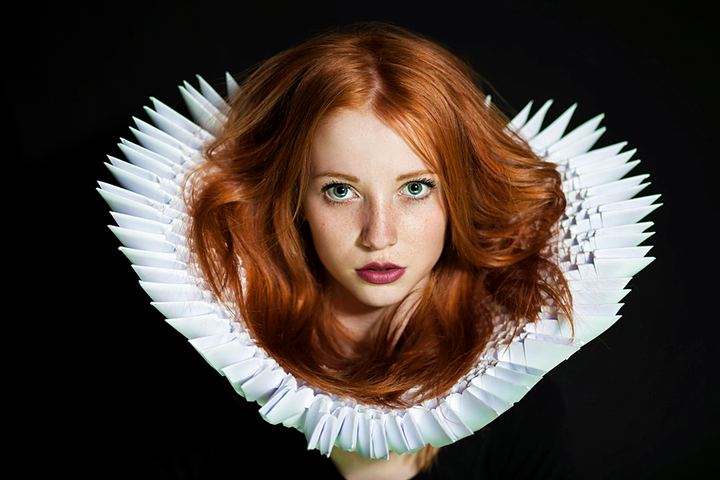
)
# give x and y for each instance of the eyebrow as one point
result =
(350, 178)
(408, 176)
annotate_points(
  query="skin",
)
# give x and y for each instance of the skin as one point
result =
(371, 199)
(352, 467)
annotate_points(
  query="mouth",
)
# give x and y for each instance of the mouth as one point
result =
(380, 273)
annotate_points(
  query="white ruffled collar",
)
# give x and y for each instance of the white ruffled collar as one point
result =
(598, 248)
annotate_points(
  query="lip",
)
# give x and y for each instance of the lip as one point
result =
(380, 273)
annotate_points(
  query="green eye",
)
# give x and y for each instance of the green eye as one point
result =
(338, 191)
(416, 189)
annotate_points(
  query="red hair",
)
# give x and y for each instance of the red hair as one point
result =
(250, 239)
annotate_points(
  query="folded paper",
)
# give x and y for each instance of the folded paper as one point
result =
(599, 250)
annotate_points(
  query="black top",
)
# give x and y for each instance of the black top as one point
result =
(529, 441)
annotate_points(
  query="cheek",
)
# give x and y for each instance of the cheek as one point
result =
(324, 238)
(428, 232)
(330, 234)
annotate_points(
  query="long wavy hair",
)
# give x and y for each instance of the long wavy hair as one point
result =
(252, 243)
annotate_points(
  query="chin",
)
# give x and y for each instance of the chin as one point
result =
(382, 296)
(358, 295)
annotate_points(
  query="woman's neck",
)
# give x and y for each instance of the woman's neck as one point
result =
(362, 321)
(397, 467)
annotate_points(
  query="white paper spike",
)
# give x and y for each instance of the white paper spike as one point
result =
(169, 152)
(123, 204)
(546, 355)
(474, 411)
(291, 404)
(212, 96)
(619, 241)
(578, 147)
(378, 439)
(240, 372)
(232, 87)
(328, 435)
(504, 389)
(152, 178)
(205, 102)
(142, 240)
(171, 292)
(497, 404)
(614, 186)
(579, 133)
(522, 368)
(432, 428)
(596, 155)
(140, 185)
(202, 326)
(137, 223)
(521, 118)
(261, 386)
(588, 327)
(347, 438)
(525, 378)
(621, 267)
(603, 176)
(629, 203)
(162, 275)
(413, 435)
(623, 217)
(184, 309)
(153, 259)
(228, 352)
(613, 196)
(553, 132)
(134, 170)
(114, 191)
(180, 134)
(610, 162)
(202, 135)
(205, 118)
(395, 436)
(146, 162)
(126, 144)
(532, 127)
(161, 135)
(364, 436)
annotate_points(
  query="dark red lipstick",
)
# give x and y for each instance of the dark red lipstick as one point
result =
(380, 273)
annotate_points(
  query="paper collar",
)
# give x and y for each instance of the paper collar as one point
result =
(598, 252)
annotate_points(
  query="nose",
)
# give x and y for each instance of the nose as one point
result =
(379, 226)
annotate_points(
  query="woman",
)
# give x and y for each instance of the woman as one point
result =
(374, 256)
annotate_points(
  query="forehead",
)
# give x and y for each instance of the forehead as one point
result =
(358, 140)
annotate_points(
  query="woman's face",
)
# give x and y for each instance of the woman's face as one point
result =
(375, 211)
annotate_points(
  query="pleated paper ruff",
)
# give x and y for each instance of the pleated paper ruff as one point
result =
(599, 250)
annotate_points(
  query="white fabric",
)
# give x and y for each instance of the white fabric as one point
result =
(598, 248)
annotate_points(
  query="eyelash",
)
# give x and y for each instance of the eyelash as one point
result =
(428, 182)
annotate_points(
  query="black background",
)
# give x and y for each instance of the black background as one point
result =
(113, 384)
